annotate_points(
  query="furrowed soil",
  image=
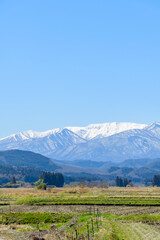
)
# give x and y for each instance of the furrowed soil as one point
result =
(119, 210)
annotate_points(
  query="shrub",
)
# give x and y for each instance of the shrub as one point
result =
(39, 182)
(42, 186)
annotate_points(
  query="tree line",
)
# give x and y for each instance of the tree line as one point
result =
(122, 182)
(55, 179)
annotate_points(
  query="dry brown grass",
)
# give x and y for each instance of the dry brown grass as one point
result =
(29, 191)
(150, 192)
(77, 190)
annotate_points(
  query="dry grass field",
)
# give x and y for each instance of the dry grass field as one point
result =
(80, 213)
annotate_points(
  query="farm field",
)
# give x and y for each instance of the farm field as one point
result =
(80, 213)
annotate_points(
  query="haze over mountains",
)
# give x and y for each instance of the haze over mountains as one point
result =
(28, 166)
(98, 142)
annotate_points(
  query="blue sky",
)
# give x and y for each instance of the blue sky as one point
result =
(72, 63)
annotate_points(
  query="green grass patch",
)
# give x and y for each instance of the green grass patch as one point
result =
(89, 201)
(34, 218)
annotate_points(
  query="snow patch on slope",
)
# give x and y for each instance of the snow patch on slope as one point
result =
(104, 129)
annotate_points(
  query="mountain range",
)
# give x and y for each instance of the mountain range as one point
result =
(97, 142)
(28, 166)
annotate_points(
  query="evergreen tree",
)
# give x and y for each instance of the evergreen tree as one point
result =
(120, 182)
(125, 182)
(156, 180)
(13, 180)
(55, 179)
(59, 180)
(117, 181)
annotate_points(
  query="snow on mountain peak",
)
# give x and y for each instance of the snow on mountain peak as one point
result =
(104, 129)
(154, 128)
(105, 141)
(88, 132)
(29, 134)
(153, 125)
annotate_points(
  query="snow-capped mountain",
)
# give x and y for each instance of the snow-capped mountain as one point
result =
(104, 142)
(135, 143)
(41, 142)
(104, 129)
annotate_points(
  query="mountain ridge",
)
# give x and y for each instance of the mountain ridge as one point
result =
(102, 142)
(27, 166)
(104, 126)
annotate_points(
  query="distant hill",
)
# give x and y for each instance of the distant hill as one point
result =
(144, 162)
(82, 163)
(134, 169)
(24, 165)
(129, 163)
(26, 174)
(26, 159)
(28, 166)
